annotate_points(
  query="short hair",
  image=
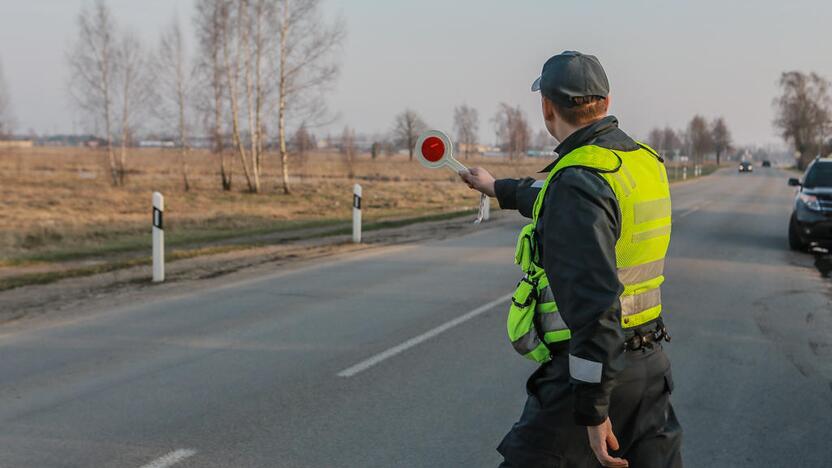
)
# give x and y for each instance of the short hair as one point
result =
(583, 110)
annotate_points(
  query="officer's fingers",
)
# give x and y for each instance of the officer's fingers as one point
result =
(612, 441)
(606, 460)
(615, 462)
(467, 178)
(599, 447)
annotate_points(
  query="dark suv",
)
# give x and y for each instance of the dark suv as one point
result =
(811, 221)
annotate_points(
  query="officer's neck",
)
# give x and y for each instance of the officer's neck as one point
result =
(561, 129)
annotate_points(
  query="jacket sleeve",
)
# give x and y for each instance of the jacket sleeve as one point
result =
(581, 224)
(517, 194)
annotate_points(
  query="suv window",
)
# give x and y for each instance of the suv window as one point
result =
(819, 176)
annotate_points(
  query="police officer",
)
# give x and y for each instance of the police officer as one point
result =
(588, 308)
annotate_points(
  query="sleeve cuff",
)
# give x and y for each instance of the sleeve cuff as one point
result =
(506, 191)
(590, 409)
(582, 419)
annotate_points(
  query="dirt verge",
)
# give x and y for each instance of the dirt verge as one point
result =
(83, 294)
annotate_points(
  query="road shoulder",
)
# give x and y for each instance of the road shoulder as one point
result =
(71, 298)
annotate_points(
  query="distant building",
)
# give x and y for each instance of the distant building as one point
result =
(477, 148)
(16, 143)
(89, 141)
(157, 144)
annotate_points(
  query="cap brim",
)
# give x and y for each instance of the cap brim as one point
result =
(536, 84)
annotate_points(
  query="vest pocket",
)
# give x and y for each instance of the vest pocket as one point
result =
(524, 252)
(520, 323)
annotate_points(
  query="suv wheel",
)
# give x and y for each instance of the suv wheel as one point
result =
(795, 242)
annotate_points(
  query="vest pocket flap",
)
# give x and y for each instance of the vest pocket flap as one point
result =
(524, 251)
(525, 295)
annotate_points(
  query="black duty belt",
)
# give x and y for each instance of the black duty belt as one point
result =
(642, 340)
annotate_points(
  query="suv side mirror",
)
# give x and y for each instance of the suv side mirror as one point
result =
(794, 182)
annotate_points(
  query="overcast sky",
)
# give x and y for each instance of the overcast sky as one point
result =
(666, 60)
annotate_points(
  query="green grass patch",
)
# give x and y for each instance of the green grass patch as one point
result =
(339, 227)
(181, 236)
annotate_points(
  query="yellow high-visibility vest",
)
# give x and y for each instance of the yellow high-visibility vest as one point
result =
(639, 181)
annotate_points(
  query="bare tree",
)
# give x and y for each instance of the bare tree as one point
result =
(348, 150)
(306, 66)
(700, 139)
(92, 64)
(172, 71)
(6, 116)
(261, 20)
(236, 37)
(664, 140)
(671, 141)
(467, 125)
(512, 128)
(301, 143)
(721, 136)
(406, 130)
(302, 140)
(131, 90)
(543, 141)
(211, 21)
(803, 112)
(656, 138)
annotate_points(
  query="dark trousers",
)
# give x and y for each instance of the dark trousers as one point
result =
(642, 418)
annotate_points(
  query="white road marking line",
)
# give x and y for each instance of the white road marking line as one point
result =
(368, 363)
(685, 213)
(692, 210)
(171, 459)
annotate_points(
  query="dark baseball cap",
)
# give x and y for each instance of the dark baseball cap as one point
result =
(569, 75)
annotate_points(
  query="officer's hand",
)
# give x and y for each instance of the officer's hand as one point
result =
(601, 439)
(479, 179)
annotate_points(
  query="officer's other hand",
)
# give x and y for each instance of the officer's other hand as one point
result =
(602, 439)
(479, 179)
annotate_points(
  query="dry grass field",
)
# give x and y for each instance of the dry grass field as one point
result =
(62, 217)
(58, 203)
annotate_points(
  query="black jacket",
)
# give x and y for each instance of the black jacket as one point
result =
(579, 225)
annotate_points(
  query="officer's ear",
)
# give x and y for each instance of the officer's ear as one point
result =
(609, 103)
(548, 109)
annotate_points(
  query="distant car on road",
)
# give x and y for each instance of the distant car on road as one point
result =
(766, 163)
(811, 221)
(745, 166)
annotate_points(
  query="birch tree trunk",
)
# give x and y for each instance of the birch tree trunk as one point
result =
(232, 79)
(281, 113)
(251, 50)
(181, 99)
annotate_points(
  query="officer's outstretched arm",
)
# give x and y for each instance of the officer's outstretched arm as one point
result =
(517, 194)
(581, 224)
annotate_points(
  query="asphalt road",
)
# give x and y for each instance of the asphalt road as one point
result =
(398, 356)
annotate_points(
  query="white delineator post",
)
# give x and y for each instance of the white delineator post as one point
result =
(356, 214)
(685, 173)
(158, 238)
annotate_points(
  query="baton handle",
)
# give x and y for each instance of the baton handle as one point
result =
(455, 165)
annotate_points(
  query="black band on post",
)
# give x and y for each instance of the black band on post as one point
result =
(157, 218)
(356, 202)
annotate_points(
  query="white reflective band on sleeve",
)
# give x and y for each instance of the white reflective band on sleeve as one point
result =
(584, 369)
(538, 183)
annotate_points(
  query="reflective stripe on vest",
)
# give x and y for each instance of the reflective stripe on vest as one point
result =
(637, 303)
(641, 273)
